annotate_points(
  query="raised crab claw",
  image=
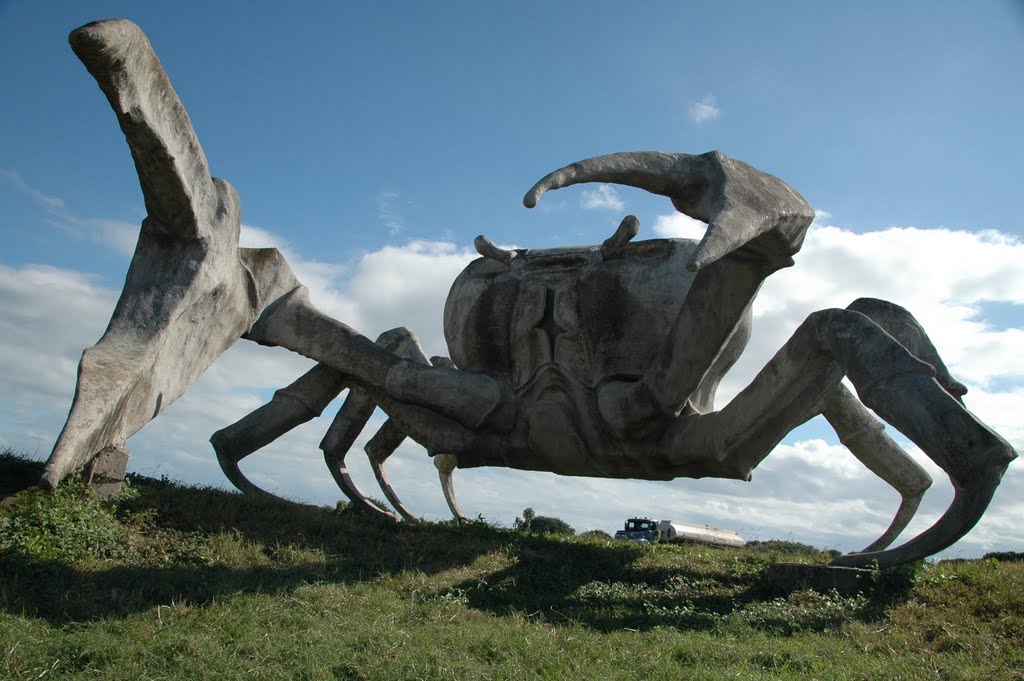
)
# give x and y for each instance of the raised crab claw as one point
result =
(590, 361)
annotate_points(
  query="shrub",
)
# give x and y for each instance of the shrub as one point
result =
(548, 525)
(781, 546)
(1004, 556)
(596, 534)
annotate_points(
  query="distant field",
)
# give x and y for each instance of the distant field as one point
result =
(187, 583)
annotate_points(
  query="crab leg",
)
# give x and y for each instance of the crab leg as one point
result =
(867, 440)
(305, 399)
(390, 436)
(470, 400)
(865, 437)
(904, 327)
(381, 446)
(891, 381)
(446, 465)
(352, 418)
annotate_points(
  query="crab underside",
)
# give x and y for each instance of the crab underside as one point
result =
(593, 361)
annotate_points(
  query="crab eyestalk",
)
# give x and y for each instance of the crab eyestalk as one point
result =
(489, 249)
(628, 228)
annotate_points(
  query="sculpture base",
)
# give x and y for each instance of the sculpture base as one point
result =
(820, 577)
(105, 473)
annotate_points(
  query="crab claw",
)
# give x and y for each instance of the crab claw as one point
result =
(744, 207)
(190, 292)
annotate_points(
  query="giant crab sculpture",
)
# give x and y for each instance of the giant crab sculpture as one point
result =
(593, 361)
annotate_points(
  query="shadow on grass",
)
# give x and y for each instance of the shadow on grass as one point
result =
(605, 589)
(280, 547)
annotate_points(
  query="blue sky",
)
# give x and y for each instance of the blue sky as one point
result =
(373, 141)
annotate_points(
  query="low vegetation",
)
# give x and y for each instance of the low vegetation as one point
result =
(181, 582)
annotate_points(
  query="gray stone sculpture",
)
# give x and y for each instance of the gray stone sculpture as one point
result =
(594, 361)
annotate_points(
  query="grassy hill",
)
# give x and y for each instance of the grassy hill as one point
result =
(181, 582)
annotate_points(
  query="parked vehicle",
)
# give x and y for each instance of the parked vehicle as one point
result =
(647, 531)
(639, 530)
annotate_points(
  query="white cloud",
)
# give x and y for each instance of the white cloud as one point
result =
(602, 197)
(118, 235)
(388, 213)
(705, 110)
(679, 226)
(809, 489)
(15, 178)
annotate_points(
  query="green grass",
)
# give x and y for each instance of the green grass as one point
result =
(179, 582)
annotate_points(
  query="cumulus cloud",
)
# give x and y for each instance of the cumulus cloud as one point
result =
(705, 110)
(810, 488)
(679, 226)
(602, 197)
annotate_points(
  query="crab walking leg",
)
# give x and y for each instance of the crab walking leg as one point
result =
(384, 443)
(381, 446)
(190, 293)
(303, 400)
(350, 420)
(904, 327)
(446, 465)
(897, 386)
(352, 417)
(865, 437)
(470, 399)
(431, 430)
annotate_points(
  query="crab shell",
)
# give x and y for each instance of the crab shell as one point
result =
(556, 324)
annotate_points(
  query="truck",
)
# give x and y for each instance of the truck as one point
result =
(648, 531)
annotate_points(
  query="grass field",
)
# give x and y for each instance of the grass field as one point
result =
(188, 583)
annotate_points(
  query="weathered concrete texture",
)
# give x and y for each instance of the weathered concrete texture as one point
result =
(190, 292)
(598, 360)
(105, 472)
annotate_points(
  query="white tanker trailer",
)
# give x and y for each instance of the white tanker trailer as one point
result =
(647, 531)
